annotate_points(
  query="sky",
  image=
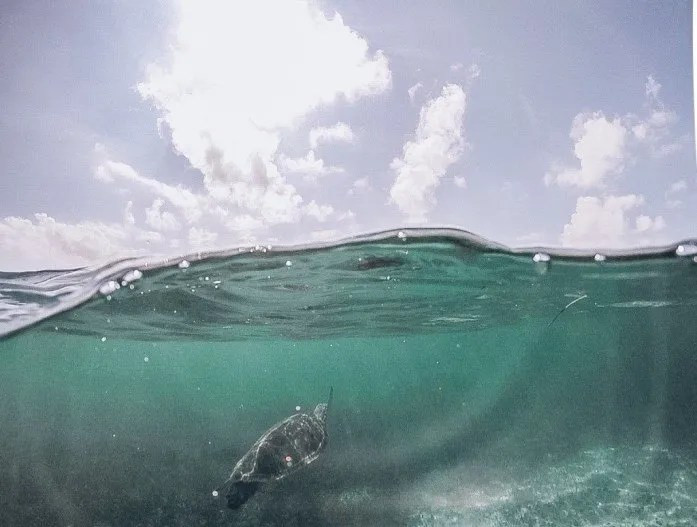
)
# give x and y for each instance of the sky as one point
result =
(169, 127)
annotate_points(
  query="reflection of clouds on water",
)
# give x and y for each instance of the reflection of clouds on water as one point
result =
(610, 487)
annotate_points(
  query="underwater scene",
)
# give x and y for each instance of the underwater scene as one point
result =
(406, 378)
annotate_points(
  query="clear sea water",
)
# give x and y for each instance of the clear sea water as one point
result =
(464, 393)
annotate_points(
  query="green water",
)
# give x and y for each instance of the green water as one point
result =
(455, 402)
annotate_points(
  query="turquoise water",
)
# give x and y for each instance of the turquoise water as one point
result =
(459, 398)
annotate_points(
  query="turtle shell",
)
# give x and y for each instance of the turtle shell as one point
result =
(285, 447)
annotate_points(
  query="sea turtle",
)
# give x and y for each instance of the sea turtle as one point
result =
(284, 448)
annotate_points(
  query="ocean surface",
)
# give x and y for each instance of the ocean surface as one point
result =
(473, 385)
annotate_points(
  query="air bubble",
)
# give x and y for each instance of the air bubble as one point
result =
(297, 408)
(288, 263)
(599, 257)
(541, 257)
(184, 264)
(688, 249)
(146, 359)
(109, 287)
(215, 493)
(103, 339)
(401, 235)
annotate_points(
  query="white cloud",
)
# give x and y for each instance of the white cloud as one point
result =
(160, 220)
(310, 167)
(225, 94)
(228, 90)
(318, 212)
(46, 243)
(128, 217)
(359, 185)
(678, 186)
(437, 145)
(603, 146)
(324, 235)
(667, 149)
(340, 132)
(600, 147)
(349, 215)
(606, 222)
(244, 223)
(456, 67)
(654, 132)
(412, 91)
(646, 223)
(675, 188)
(199, 237)
(460, 182)
(652, 87)
(191, 205)
(475, 71)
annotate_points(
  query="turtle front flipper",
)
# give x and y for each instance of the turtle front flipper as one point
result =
(240, 492)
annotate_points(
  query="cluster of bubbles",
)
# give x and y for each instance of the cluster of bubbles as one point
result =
(112, 285)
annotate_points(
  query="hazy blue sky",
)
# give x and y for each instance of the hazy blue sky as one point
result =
(165, 127)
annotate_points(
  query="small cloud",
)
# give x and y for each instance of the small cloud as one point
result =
(324, 235)
(652, 87)
(103, 175)
(668, 149)
(160, 220)
(128, 217)
(310, 167)
(675, 188)
(456, 67)
(412, 91)
(605, 223)
(460, 182)
(191, 205)
(346, 216)
(199, 238)
(678, 186)
(43, 242)
(438, 143)
(340, 132)
(244, 223)
(475, 71)
(360, 185)
(603, 146)
(318, 212)
(600, 147)
(646, 223)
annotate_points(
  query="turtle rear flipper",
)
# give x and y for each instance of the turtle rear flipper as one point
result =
(240, 492)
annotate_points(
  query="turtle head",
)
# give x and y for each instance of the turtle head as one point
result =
(240, 492)
(322, 408)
